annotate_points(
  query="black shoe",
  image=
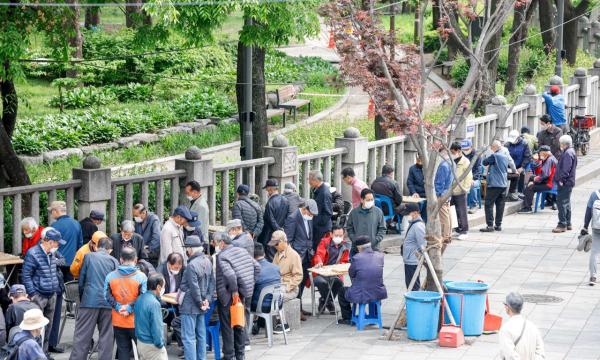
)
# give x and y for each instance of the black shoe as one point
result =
(487, 229)
(255, 328)
(280, 329)
(331, 308)
(525, 210)
(498, 228)
(345, 322)
(55, 350)
(554, 207)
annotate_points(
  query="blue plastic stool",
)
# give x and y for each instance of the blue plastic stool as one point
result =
(542, 196)
(361, 318)
(212, 332)
(388, 210)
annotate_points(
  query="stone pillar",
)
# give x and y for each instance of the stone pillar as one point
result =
(198, 169)
(94, 193)
(504, 121)
(582, 31)
(285, 168)
(535, 110)
(355, 158)
(594, 37)
(583, 79)
(408, 159)
(595, 71)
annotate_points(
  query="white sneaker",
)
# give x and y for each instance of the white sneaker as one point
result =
(247, 348)
(463, 237)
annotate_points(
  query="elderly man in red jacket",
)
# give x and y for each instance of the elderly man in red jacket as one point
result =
(32, 233)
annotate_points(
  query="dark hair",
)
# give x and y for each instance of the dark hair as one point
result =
(387, 169)
(546, 118)
(455, 146)
(259, 250)
(105, 243)
(365, 192)
(175, 258)
(154, 280)
(128, 253)
(525, 130)
(336, 227)
(348, 172)
(194, 185)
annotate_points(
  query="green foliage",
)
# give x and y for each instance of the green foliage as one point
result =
(459, 71)
(83, 97)
(431, 41)
(282, 68)
(202, 103)
(322, 135)
(131, 92)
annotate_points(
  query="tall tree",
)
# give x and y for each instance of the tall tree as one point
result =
(92, 17)
(520, 26)
(573, 10)
(546, 14)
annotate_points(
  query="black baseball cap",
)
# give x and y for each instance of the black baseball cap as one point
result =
(272, 183)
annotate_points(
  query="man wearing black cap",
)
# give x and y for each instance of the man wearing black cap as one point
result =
(276, 211)
(89, 225)
(20, 304)
(248, 211)
(414, 239)
(171, 236)
(366, 273)
(543, 167)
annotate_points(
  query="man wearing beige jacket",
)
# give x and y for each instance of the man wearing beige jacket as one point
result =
(171, 236)
(461, 189)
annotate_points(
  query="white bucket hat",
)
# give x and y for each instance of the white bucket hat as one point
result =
(33, 319)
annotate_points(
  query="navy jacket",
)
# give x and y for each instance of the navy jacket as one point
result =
(71, 232)
(136, 242)
(40, 273)
(269, 275)
(416, 181)
(88, 228)
(477, 167)
(296, 234)
(162, 268)
(520, 153)
(150, 231)
(322, 222)
(385, 185)
(96, 265)
(366, 273)
(276, 211)
(565, 170)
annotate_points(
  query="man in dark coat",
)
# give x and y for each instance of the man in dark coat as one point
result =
(89, 225)
(386, 185)
(291, 194)
(148, 225)
(322, 195)
(248, 211)
(128, 238)
(521, 155)
(276, 211)
(549, 135)
(415, 182)
(565, 179)
(337, 203)
(173, 271)
(20, 304)
(366, 273)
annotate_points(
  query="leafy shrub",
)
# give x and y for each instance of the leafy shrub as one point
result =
(431, 41)
(131, 92)
(202, 103)
(282, 68)
(83, 97)
(459, 71)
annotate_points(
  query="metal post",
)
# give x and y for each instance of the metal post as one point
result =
(247, 115)
(559, 37)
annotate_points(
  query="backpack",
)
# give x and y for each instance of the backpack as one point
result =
(596, 212)
(10, 351)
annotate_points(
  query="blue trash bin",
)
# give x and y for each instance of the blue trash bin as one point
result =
(422, 314)
(474, 305)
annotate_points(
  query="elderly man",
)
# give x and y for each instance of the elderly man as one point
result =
(461, 188)
(555, 105)
(121, 290)
(289, 263)
(20, 304)
(40, 275)
(355, 183)
(299, 232)
(413, 241)
(291, 195)
(173, 271)
(386, 185)
(198, 204)
(415, 182)
(521, 155)
(549, 135)
(442, 183)
(322, 195)
(89, 225)
(127, 238)
(240, 238)
(171, 236)
(565, 179)
(366, 220)
(276, 211)
(94, 311)
(32, 233)
(366, 274)
(70, 231)
(148, 225)
(248, 211)
(31, 328)
(544, 168)
(89, 247)
(236, 272)
(519, 338)
(269, 275)
(148, 321)
(197, 288)
(497, 182)
(590, 217)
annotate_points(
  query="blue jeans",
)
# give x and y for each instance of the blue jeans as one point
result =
(193, 336)
(472, 198)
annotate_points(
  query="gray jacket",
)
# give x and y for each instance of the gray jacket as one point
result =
(198, 284)
(415, 238)
(294, 200)
(244, 241)
(200, 206)
(250, 213)
(236, 272)
(367, 222)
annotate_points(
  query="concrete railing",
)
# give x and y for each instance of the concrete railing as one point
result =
(329, 162)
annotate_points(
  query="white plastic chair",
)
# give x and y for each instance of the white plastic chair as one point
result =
(274, 290)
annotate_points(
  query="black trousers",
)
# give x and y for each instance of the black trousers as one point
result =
(305, 266)
(494, 196)
(517, 183)
(460, 203)
(409, 272)
(234, 340)
(123, 337)
(321, 283)
(530, 193)
(345, 305)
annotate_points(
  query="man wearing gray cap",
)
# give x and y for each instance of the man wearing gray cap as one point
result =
(519, 338)
(171, 236)
(290, 193)
(238, 237)
(248, 211)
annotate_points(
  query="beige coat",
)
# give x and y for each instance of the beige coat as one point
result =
(171, 240)
(290, 268)
(465, 185)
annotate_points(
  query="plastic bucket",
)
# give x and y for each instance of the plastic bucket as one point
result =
(474, 305)
(422, 314)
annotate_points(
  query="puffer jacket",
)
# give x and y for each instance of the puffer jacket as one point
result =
(244, 241)
(462, 165)
(198, 284)
(40, 274)
(250, 213)
(550, 137)
(520, 153)
(236, 272)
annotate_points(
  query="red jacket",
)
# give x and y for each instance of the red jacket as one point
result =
(322, 255)
(32, 241)
(545, 170)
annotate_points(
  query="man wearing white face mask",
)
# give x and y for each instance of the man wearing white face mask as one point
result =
(549, 135)
(171, 236)
(148, 225)
(239, 238)
(127, 238)
(367, 220)
(32, 233)
(333, 249)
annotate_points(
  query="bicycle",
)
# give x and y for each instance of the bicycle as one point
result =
(579, 129)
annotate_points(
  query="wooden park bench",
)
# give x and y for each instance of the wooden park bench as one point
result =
(272, 112)
(286, 99)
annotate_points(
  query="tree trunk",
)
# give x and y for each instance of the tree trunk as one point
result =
(434, 239)
(260, 131)
(92, 17)
(519, 32)
(570, 28)
(491, 71)
(75, 40)
(380, 132)
(132, 14)
(435, 13)
(547, 25)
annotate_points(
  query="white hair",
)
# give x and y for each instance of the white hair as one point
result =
(316, 174)
(566, 140)
(497, 143)
(30, 223)
(197, 249)
(127, 226)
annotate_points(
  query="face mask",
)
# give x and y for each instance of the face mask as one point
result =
(53, 250)
(307, 217)
(189, 197)
(467, 152)
(544, 127)
(190, 228)
(337, 240)
(125, 239)
(138, 219)
(369, 204)
(162, 291)
(231, 237)
(174, 272)
(454, 157)
(28, 235)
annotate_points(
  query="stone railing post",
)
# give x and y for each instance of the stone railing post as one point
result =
(94, 193)
(582, 31)
(198, 169)
(535, 110)
(504, 113)
(595, 71)
(583, 79)
(594, 37)
(285, 168)
(355, 158)
(408, 159)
